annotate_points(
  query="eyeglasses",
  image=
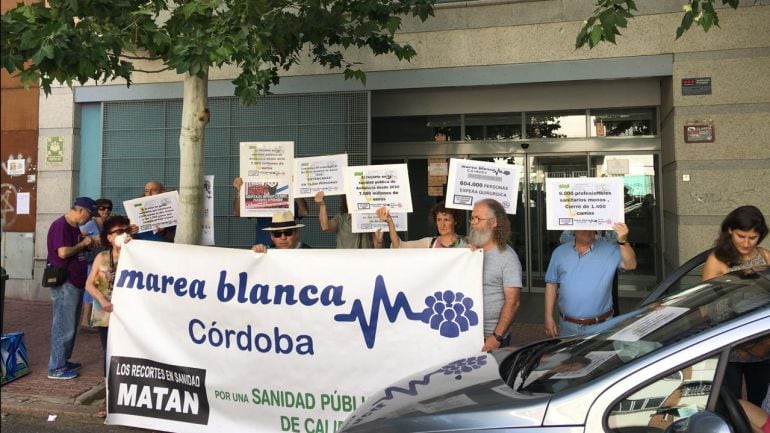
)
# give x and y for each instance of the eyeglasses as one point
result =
(475, 219)
(107, 208)
(282, 233)
(119, 231)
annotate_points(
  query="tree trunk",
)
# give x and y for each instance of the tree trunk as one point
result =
(195, 117)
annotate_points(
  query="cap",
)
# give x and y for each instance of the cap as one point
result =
(86, 203)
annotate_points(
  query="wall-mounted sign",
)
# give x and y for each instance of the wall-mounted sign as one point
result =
(54, 149)
(699, 133)
(696, 86)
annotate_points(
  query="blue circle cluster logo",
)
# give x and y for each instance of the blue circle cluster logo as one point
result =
(450, 313)
(466, 365)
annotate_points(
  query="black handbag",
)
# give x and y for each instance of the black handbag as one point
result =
(54, 276)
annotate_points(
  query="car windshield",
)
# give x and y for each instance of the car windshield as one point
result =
(560, 364)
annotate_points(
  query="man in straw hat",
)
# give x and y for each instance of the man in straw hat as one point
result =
(284, 231)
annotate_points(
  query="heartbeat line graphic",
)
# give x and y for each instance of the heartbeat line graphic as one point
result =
(380, 299)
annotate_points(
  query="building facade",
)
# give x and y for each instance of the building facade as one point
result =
(683, 121)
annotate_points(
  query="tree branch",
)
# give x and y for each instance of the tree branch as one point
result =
(167, 68)
(140, 57)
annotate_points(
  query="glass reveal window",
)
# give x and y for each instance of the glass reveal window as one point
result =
(416, 128)
(623, 122)
(493, 126)
(556, 124)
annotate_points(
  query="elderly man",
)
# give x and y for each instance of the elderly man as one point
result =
(165, 234)
(67, 249)
(490, 229)
(583, 271)
(284, 232)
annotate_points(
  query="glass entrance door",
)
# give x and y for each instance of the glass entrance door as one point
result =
(544, 241)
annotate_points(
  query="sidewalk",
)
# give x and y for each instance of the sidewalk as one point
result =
(35, 393)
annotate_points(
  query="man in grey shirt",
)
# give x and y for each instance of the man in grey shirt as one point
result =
(490, 229)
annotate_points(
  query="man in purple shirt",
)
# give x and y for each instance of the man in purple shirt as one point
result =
(67, 248)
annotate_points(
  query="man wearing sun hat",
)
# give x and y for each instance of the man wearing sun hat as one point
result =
(284, 232)
(67, 248)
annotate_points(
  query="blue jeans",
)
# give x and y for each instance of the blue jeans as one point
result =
(67, 303)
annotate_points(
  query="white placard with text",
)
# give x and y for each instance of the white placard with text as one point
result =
(320, 173)
(370, 187)
(584, 203)
(470, 181)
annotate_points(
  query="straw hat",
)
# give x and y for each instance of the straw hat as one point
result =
(282, 220)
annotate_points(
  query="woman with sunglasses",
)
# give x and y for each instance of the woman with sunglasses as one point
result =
(116, 231)
(93, 228)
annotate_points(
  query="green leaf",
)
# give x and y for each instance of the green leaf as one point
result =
(597, 34)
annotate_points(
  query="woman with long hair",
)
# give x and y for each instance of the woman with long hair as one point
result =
(736, 248)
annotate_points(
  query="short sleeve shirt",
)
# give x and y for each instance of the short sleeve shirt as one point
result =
(61, 234)
(585, 281)
(501, 269)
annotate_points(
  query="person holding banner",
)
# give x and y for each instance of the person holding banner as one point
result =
(284, 233)
(116, 232)
(342, 225)
(490, 229)
(446, 221)
(166, 234)
(583, 271)
(260, 235)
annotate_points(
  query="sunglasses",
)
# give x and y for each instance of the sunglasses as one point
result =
(108, 208)
(282, 233)
(119, 231)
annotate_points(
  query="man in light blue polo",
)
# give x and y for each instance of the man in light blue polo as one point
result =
(582, 272)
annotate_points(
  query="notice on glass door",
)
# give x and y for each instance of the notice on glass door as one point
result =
(584, 203)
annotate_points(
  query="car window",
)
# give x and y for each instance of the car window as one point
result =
(671, 398)
(558, 365)
(687, 280)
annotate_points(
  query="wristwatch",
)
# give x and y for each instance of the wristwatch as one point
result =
(499, 338)
(623, 243)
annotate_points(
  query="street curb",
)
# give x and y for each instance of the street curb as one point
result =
(66, 408)
(90, 396)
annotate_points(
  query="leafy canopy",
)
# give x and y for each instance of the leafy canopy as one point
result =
(78, 40)
(610, 15)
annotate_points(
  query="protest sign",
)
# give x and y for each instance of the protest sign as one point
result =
(207, 221)
(371, 187)
(370, 222)
(209, 339)
(320, 173)
(261, 197)
(266, 159)
(471, 181)
(584, 203)
(153, 212)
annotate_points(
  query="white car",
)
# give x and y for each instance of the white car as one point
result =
(657, 369)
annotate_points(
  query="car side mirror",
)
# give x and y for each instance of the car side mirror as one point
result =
(701, 422)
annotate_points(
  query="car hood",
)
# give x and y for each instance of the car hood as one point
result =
(464, 394)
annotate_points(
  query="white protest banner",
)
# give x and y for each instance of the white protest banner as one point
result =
(261, 197)
(471, 181)
(266, 159)
(370, 222)
(320, 173)
(153, 212)
(207, 339)
(207, 221)
(370, 187)
(584, 203)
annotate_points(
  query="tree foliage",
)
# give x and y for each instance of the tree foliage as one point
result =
(612, 15)
(77, 40)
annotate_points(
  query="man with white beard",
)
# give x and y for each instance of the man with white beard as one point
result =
(490, 230)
